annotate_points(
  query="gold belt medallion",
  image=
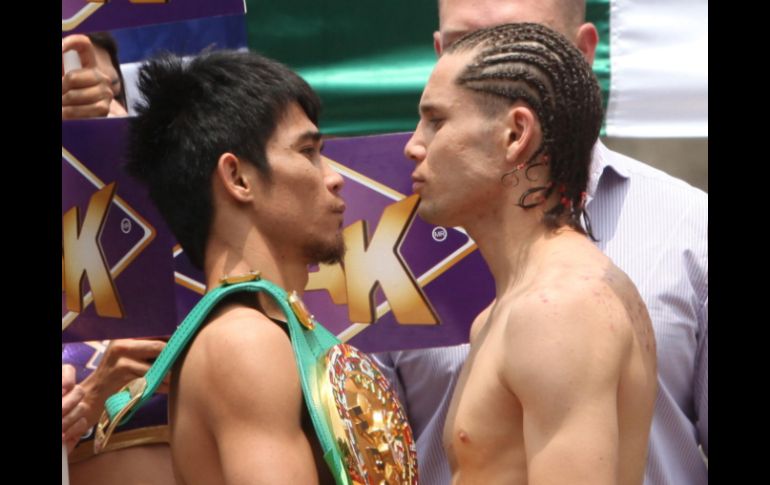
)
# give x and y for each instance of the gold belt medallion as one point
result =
(368, 422)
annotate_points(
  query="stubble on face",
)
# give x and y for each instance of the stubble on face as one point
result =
(326, 252)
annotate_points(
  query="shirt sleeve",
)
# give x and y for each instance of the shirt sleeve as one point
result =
(701, 383)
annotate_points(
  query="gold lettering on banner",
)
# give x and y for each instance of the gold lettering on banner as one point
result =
(83, 257)
(329, 277)
(377, 262)
(90, 7)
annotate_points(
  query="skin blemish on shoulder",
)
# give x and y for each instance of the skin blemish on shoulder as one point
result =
(463, 436)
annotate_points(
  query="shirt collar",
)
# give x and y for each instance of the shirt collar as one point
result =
(600, 161)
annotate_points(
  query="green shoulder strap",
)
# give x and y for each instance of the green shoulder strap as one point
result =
(309, 340)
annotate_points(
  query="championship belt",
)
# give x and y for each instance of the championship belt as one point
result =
(356, 414)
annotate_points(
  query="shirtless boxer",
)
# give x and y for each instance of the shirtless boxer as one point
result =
(560, 382)
(228, 146)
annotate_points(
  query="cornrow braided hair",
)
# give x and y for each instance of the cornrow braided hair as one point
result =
(534, 64)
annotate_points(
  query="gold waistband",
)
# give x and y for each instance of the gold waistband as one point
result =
(124, 439)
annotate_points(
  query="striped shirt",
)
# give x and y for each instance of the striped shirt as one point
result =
(654, 227)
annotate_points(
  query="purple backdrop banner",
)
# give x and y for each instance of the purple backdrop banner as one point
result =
(403, 283)
(117, 268)
(78, 16)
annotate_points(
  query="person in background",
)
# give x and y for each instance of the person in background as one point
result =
(138, 453)
(94, 89)
(73, 420)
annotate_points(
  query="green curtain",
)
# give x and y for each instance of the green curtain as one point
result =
(368, 60)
